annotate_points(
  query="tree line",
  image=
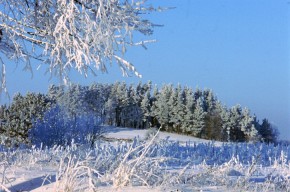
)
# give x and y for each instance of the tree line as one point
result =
(76, 111)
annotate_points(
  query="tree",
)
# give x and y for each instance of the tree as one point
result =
(189, 109)
(95, 98)
(155, 107)
(20, 117)
(177, 111)
(162, 107)
(72, 101)
(146, 109)
(110, 111)
(248, 127)
(72, 34)
(268, 133)
(213, 120)
(234, 128)
(198, 118)
(209, 100)
(214, 123)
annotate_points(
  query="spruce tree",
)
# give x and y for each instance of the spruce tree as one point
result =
(236, 134)
(247, 126)
(198, 118)
(179, 109)
(146, 110)
(213, 123)
(268, 133)
(154, 107)
(163, 107)
(21, 115)
(187, 124)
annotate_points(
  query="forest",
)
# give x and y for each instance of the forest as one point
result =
(75, 112)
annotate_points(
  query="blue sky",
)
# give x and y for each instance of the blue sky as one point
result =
(238, 48)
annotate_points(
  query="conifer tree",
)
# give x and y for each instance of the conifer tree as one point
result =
(247, 126)
(172, 110)
(154, 108)
(213, 123)
(198, 118)
(187, 124)
(268, 133)
(110, 111)
(162, 107)
(178, 109)
(226, 126)
(236, 134)
(146, 110)
(209, 100)
(95, 98)
(20, 117)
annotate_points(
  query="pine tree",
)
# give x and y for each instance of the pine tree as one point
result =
(209, 100)
(198, 118)
(110, 111)
(178, 109)
(268, 133)
(55, 93)
(236, 134)
(95, 98)
(172, 111)
(187, 124)
(162, 107)
(154, 107)
(247, 126)
(226, 126)
(146, 110)
(21, 115)
(115, 101)
(213, 123)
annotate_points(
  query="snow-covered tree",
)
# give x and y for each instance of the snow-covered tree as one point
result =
(110, 110)
(209, 100)
(197, 94)
(213, 123)
(131, 113)
(154, 107)
(55, 93)
(73, 101)
(66, 35)
(177, 111)
(20, 117)
(268, 133)
(146, 109)
(162, 107)
(234, 128)
(248, 127)
(198, 118)
(226, 126)
(188, 110)
(95, 98)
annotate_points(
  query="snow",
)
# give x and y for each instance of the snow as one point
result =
(130, 133)
(125, 160)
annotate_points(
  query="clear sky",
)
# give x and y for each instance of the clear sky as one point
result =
(238, 48)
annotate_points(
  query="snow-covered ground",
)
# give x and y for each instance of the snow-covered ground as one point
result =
(131, 133)
(133, 160)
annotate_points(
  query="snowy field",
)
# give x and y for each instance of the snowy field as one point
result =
(137, 160)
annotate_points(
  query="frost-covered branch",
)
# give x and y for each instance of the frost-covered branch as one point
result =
(73, 34)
